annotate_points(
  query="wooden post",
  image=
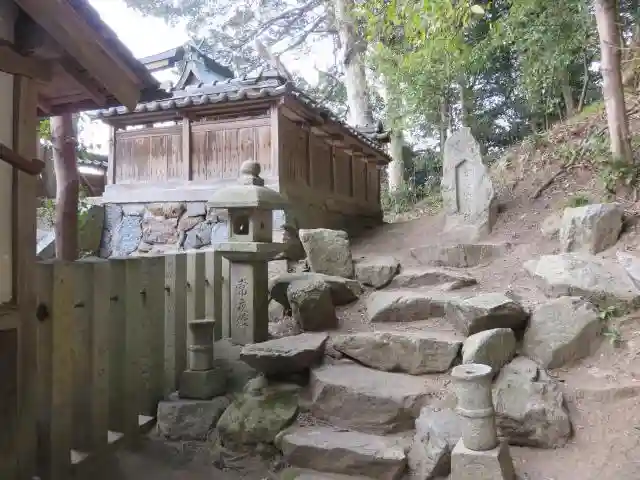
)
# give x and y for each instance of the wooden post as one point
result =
(276, 165)
(187, 159)
(111, 168)
(25, 127)
(175, 321)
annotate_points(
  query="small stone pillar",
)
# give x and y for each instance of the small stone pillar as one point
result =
(478, 455)
(249, 249)
(201, 380)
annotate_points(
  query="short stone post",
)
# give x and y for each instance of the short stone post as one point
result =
(201, 380)
(249, 249)
(478, 455)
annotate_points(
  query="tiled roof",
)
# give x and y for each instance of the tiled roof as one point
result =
(247, 87)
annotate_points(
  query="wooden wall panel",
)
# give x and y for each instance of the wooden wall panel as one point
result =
(342, 173)
(147, 155)
(263, 151)
(321, 164)
(359, 178)
(373, 184)
(294, 152)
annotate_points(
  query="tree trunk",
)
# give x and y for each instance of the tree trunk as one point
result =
(567, 94)
(396, 167)
(353, 59)
(444, 122)
(607, 21)
(66, 168)
(466, 105)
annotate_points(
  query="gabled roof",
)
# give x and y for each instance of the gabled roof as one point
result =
(266, 84)
(88, 66)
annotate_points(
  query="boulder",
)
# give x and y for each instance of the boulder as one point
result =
(328, 251)
(530, 407)
(495, 347)
(426, 277)
(561, 331)
(376, 272)
(180, 419)
(461, 255)
(437, 432)
(285, 355)
(369, 401)
(258, 414)
(592, 228)
(405, 305)
(485, 312)
(413, 352)
(343, 290)
(603, 282)
(332, 450)
(311, 305)
(631, 265)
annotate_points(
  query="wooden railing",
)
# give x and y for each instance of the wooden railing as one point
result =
(111, 345)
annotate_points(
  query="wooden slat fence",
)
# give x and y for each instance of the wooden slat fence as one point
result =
(111, 345)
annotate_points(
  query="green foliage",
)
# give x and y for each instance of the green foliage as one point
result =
(578, 200)
(617, 172)
(609, 331)
(47, 209)
(407, 197)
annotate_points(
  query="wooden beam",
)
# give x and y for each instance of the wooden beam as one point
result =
(14, 63)
(75, 70)
(71, 31)
(31, 167)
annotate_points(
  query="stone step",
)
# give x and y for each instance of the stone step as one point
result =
(293, 473)
(461, 255)
(414, 352)
(350, 396)
(406, 305)
(426, 277)
(331, 450)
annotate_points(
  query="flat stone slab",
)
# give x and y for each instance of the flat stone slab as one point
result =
(332, 450)
(461, 255)
(602, 282)
(285, 355)
(425, 277)
(293, 473)
(328, 251)
(484, 312)
(369, 401)
(413, 352)
(405, 305)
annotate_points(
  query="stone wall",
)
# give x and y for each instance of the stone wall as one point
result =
(156, 228)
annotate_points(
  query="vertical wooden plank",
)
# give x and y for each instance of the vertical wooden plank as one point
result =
(100, 341)
(111, 168)
(134, 344)
(81, 348)
(187, 159)
(44, 299)
(278, 165)
(175, 345)
(195, 286)
(61, 317)
(25, 142)
(118, 347)
(154, 299)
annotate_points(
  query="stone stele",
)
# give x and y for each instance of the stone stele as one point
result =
(467, 191)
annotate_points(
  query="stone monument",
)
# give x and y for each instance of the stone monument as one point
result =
(469, 199)
(478, 455)
(249, 249)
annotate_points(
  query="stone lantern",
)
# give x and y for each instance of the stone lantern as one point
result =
(249, 248)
